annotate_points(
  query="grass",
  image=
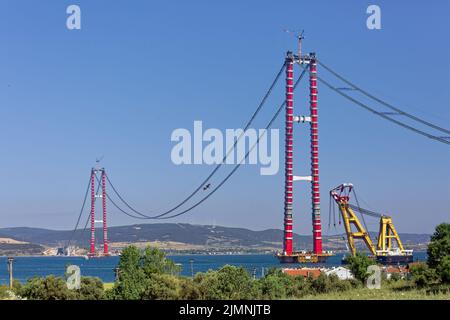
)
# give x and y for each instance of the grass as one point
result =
(400, 290)
(108, 285)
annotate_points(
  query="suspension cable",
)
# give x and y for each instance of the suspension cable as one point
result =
(205, 181)
(115, 204)
(359, 207)
(89, 216)
(161, 217)
(81, 213)
(246, 155)
(382, 115)
(365, 211)
(399, 111)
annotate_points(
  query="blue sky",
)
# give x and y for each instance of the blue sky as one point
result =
(137, 70)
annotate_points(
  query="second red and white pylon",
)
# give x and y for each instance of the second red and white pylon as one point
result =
(94, 195)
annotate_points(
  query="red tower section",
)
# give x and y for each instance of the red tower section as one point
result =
(94, 196)
(289, 255)
(288, 185)
(315, 191)
(105, 228)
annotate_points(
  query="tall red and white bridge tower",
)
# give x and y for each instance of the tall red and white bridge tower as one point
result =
(289, 255)
(97, 184)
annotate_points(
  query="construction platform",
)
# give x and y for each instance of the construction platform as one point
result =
(304, 257)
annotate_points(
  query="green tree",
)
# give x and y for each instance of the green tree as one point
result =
(271, 288)
(131, 282)
(188, 290)
(207, 285)
(444, 269)
(229, 282)
(49, 288)
(439, 251)
(323, 283)
(278, 285)
(161, 287)
(422, 274)
(4, 292)
(155, 261)
(90, 289)
(138, 278)
(358, 265)
(17, 286)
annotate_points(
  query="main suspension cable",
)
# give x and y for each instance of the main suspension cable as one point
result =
(246, 156)
(388, 105)
(82, 209)
(205, 181)
(81, 213)
(163, 217)
(382, 115)
(115, 204)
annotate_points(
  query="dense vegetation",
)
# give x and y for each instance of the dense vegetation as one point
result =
(436, 272)
(148, 274)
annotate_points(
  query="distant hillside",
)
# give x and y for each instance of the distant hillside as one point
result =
(10, 246)
(210, 236)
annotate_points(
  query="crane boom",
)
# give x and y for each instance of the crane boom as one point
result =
(385, 251)
(341, 195)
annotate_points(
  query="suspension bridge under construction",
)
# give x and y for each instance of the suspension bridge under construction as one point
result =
(99, 180)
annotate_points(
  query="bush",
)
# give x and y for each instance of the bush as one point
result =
(444, 269)
(278, 285)
(271, 288)
(229, 282)
(90, 289)
(422, 275)
(439, 252)
(161, 287)
(49, 288)
(16, 287)
(188, 290)
(55, 288)
(395, 277)
(331, 283)
(358, 265)
(154, 261)
(138, 275)
(4, 292)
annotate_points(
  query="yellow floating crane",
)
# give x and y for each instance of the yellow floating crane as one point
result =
(385, 252)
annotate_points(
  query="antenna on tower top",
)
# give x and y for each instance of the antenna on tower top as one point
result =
(299, 35)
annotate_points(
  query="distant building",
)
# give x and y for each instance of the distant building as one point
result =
(341, 272)
(304, 272)
(402, 271)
